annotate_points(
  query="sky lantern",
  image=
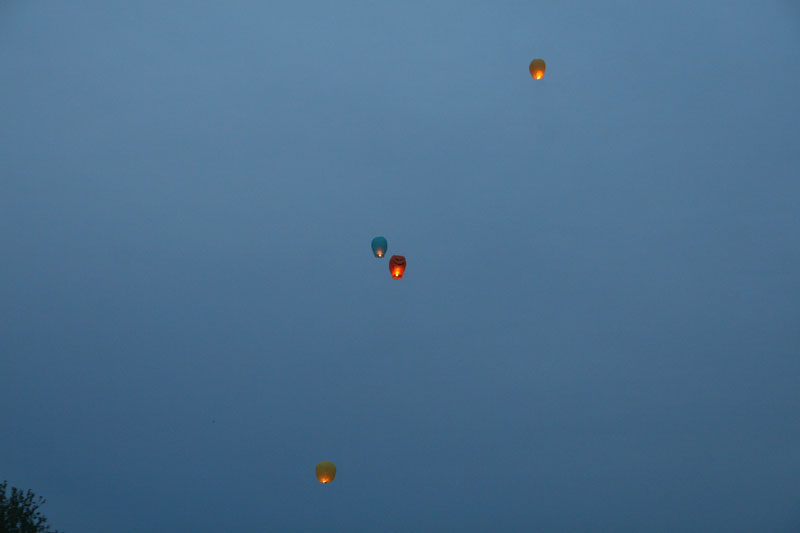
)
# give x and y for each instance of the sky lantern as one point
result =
(397, 265)
(379, 246)
(537, 69)
(326, 471)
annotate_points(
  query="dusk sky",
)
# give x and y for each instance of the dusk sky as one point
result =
(598, 328)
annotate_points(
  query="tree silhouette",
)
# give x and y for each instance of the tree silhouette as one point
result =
(20, 513)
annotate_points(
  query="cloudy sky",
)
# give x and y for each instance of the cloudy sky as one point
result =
(599, 325)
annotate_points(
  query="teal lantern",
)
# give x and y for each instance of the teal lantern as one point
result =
(379, 246)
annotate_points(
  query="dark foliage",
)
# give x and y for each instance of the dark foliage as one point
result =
(19, 513)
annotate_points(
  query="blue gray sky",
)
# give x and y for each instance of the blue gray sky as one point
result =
(597, 330)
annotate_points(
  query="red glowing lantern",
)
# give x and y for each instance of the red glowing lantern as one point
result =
(397, 265)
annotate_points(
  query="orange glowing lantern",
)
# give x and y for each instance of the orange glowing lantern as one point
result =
(326, 471)
(397, 265)
(537, 69)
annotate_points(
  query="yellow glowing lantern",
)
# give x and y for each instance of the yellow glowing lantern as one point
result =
(537, 69)
(397, 265)
(326, 471)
